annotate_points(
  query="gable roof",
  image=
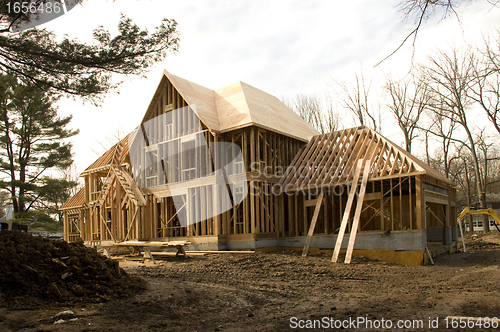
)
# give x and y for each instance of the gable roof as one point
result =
(240, 104)
(331, 159)
(75, 202)
(198, 96)
(115, 155)
(236, 106)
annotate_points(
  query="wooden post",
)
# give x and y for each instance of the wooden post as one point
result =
(357, 213)
(304, 219)
(347, 212)
(155, 213)
(411, 205)
(419, 197)
(400, 204)
(245, 212)
(382, 212)
(81, 222)
(313, 224)
(86, 220)
(392, 206)
(67, 225)
(252, 149)
(203, 216)
(325, 215)
(252, 208)
(119, 217)
(296, 215)
(216, 209)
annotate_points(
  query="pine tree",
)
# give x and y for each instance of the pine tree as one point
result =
(72, 68)
(32, 142)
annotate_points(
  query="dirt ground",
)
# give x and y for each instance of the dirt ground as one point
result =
(280, 291)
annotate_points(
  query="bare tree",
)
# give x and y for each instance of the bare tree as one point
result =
(421, 10)
(485, 87)
(489, 158)
(465, 181)
(318, 113)
(427, 154)
(449, 78)
(407, 101)
(443, 128)
(355, 98)
(110, 139)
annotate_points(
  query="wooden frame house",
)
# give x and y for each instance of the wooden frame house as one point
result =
(114, 207)
(406, 206)
(234, 168)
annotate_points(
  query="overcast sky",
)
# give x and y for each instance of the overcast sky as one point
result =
(281, 47)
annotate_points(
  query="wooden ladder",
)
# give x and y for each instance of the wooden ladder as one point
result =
(127, 185)
(360, 168)
(117, 154)
(105, 190)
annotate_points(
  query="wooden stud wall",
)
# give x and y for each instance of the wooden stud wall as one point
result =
(388, 204)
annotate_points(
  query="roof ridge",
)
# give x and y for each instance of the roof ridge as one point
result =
(252, 117)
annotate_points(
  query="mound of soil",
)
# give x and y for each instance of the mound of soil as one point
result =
(35, 269)
(488, 242)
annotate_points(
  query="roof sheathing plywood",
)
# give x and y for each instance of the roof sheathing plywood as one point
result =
(232, 107)
(269, 112)
(76, 201)
(201, 99)
(240, 105)
(236, 106)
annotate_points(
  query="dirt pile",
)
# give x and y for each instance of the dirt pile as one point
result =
(35, 269)
(485, 242)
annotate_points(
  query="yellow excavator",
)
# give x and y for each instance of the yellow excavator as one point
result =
(467, 212)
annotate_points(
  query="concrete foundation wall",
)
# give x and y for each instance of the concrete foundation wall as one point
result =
(435, 234)
(207, 246)
(446, 235)
(406, 240)
(454, 233)
(409, 241)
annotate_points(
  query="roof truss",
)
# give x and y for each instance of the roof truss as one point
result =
(331, 159)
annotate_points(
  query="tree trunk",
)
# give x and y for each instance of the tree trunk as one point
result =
(467, 183)
(479, 185)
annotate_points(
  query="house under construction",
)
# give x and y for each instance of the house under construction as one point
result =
(234, 168)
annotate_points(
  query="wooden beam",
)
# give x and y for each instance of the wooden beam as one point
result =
(319, 202)
(419, 197)
(252, 208)
(357, 213)
(347, 212)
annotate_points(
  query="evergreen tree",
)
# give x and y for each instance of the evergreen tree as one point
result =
(69, 67)
(32, 143)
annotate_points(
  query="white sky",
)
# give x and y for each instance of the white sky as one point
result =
(281, 47)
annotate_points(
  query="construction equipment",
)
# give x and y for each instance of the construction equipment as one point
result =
(467, 211)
